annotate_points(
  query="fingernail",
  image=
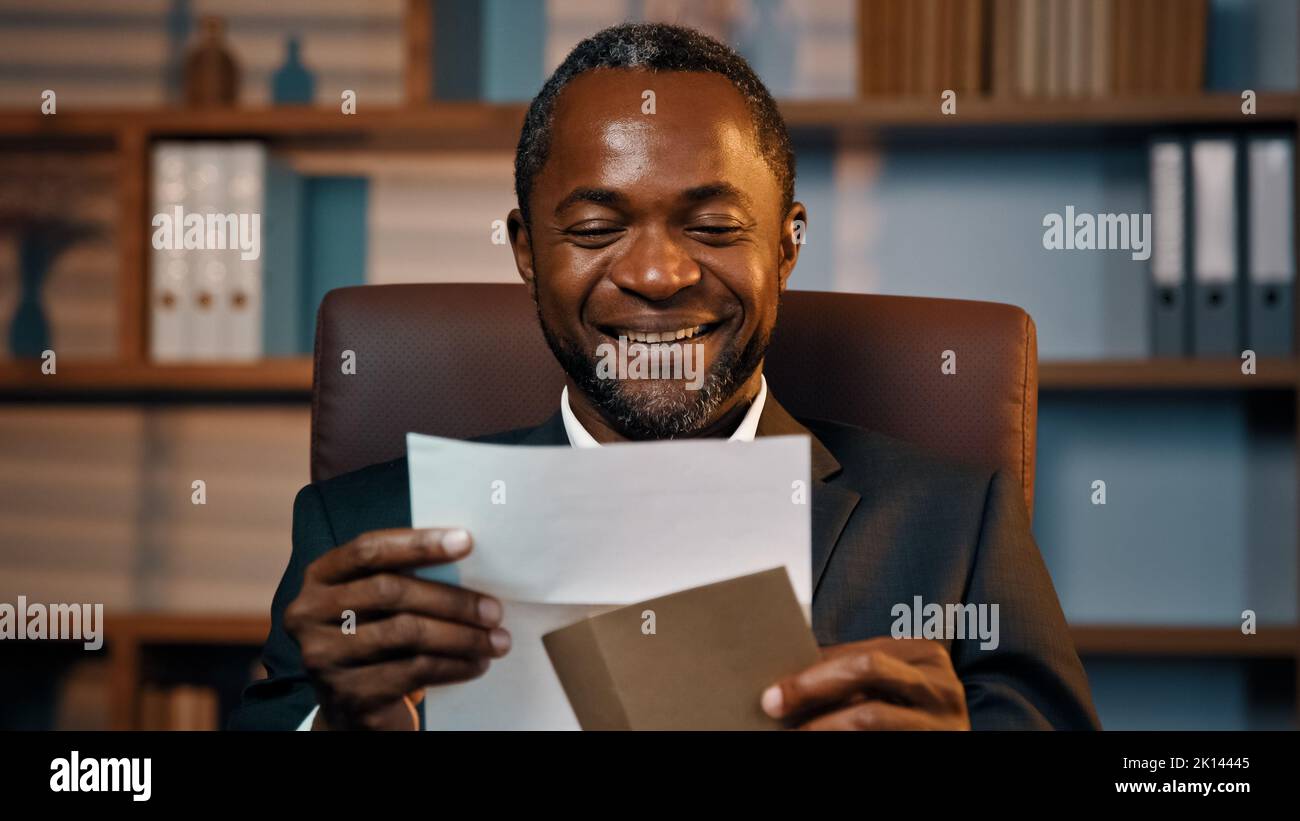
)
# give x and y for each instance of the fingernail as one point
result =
(772, 701)
(489, 610)
(500, 641)
(455, 542)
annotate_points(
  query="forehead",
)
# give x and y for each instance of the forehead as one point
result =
(701, 131)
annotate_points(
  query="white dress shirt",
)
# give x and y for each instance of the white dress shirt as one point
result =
(580, 437)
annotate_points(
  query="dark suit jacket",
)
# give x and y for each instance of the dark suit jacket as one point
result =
(889, 522)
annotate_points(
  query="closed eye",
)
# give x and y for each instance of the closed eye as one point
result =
(716, 235)
(594, 237)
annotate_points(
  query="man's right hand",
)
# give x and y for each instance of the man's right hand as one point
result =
(410, 632)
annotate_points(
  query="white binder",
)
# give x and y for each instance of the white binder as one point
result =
(209, 264)
(1169, 291)
(169, 269)
(246, 185)
(1216, 318)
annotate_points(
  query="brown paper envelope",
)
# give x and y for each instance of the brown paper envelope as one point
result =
(713, 651)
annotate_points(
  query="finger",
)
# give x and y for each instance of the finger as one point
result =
(874, 715)
(361, 689)
(912, 650)
(407, 634)
(399, 593)
(383, 550)
(835, 680)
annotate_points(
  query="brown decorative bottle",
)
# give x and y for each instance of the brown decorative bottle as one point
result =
(211, 75)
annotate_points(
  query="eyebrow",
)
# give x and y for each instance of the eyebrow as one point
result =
(715, 190)
(600, 196)
(700, 193)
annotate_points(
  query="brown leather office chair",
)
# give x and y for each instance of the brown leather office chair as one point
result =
(463, 360)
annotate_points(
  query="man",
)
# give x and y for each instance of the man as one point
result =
(655, 188)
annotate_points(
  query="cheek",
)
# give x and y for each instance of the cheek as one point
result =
(566, 276)
(748, 271)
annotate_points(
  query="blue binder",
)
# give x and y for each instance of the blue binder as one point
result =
(1270, 246)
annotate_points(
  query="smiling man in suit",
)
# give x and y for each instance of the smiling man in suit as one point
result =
(674, 224)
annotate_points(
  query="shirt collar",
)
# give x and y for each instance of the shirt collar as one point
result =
(580, 438)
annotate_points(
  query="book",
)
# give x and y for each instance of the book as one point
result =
(1029, 29)
(1100, 44)
(1003, 44)
(1078, 48)
(970, 18)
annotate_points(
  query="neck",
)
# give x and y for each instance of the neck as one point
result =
(723, 424)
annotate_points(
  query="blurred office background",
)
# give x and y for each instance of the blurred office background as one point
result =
(1058, 102)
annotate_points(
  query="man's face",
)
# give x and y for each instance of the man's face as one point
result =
(667, 223)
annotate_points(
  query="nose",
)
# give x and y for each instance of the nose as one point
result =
(655, 266)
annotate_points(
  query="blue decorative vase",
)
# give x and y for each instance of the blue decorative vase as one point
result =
(29, 332)
(292, 83)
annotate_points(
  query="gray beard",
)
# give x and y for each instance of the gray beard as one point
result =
(656, 415)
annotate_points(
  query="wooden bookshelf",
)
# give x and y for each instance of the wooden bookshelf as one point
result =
(454, 124)
(188, 628)
(129, 635)
(496, 125)
(292, 377)
(1270, 642)
(1134, 112)
(1168, 374)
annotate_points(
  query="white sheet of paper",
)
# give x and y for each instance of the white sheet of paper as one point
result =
(561, 533)
(520, 691)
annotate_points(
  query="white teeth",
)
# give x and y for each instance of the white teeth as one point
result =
(663, 336)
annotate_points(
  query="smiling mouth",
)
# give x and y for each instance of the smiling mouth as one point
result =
(693, 332)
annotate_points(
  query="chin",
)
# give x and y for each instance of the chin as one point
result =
(660, 409)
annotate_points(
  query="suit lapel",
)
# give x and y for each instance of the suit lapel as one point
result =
(550, 432)
(831, 504)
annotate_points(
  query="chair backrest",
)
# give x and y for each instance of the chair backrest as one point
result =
(460, 360)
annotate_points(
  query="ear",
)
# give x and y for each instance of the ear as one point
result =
(521, 245)
(794, 230)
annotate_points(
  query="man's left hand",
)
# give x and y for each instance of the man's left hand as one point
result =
(878, 684)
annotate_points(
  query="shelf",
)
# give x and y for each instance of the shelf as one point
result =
(1168, 374)
(292, 377)
(469, 124)
(1271, 642)
(270, 376)
(1206, 109)
(497, 124)
(181, 628)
